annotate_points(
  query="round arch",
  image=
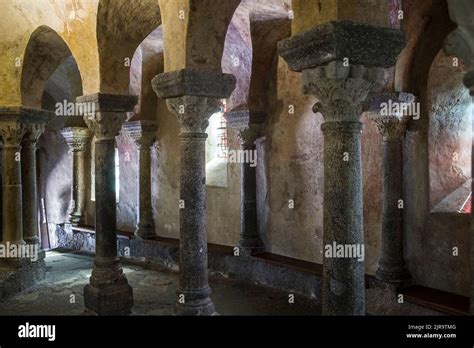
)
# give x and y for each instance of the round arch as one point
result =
(44, 54)
(121, 26)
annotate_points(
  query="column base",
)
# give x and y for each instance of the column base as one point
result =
(41, 253)
(392, 274)
(109, 301)
(196, 303)
(32, 240)
(74, 219)
(108, 292)
(145, 231)
(14, 263)
(249, 247)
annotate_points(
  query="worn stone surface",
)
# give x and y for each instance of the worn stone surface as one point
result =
(392, 127)
(460, 43)
(29, 183)
(391, 263)
(108, 292)
(198, 41)
(12, 133)
(450, 110)
(291, 153)
(309, 14)
(154, 295)
(361, 44)
(341, 93)
(238, 283)
(77, 139)
(15, 280)
(193, 82)
(144, 135)
(250, 241)
(194, 289)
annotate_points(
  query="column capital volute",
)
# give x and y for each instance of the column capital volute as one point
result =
(142, 132)
(105, 113)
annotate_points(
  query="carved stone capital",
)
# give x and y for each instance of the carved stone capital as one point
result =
(392, 127)
(459, 42)
(17, 122)
(249, 134)
(391, 112)
(142, 132)
(76, 137)
(105, 125)
(109, 113)
(12, 132)
(193, 112)
(32, 133)
(340, 90)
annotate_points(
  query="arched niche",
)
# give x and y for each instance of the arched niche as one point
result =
(450, 134)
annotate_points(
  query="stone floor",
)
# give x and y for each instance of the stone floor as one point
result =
(60, 293)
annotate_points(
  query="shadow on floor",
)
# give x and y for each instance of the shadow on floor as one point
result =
(61, 292)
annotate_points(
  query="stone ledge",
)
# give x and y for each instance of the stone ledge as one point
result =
(141, 126)
(109, 102)
(27, 115)
(362, 44)
(193, 82)
(275, 271)
(263, 269)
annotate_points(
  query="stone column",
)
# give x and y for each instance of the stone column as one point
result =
(250, 242)
(19, 127)
(77, 138)
(29, 184)
(108, 292)
(1, 191)
(143, 132)
(12, 131)
(193, 95)
(392, 126)
(340, 73)
(460, 43)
